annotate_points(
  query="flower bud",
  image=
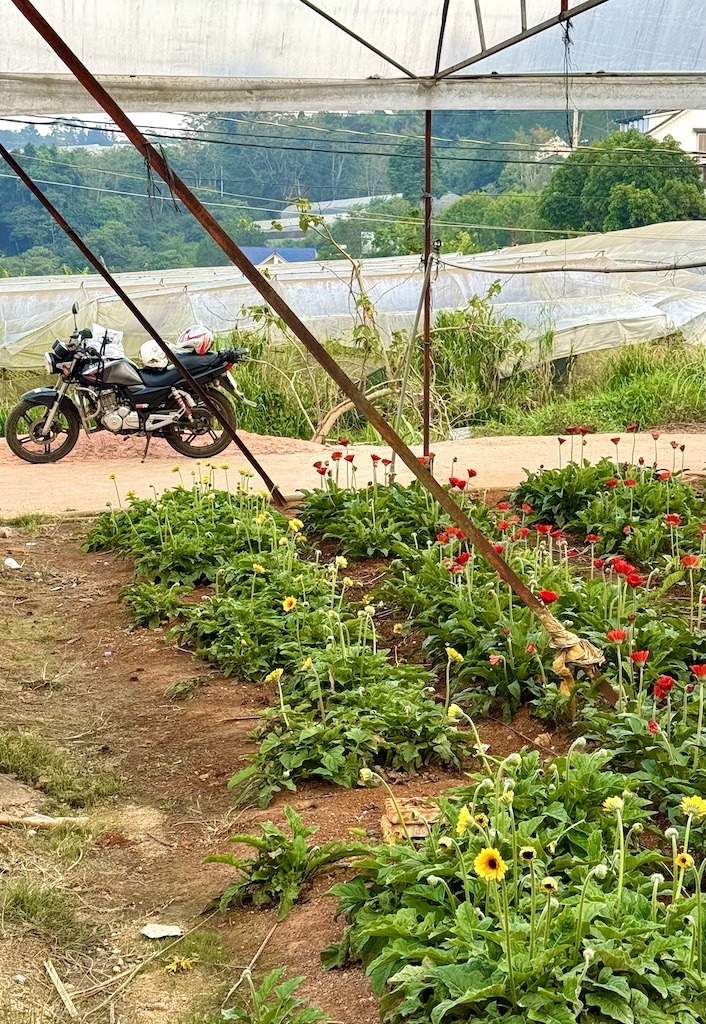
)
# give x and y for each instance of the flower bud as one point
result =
(588, 955)
(671, 833)
(600, 871)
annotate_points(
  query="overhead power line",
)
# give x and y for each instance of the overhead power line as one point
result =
(280, 147)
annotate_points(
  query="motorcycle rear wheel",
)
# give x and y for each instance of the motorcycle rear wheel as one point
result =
(193, 440)
(23, 431)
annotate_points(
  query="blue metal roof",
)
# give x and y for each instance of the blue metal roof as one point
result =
(258, 253)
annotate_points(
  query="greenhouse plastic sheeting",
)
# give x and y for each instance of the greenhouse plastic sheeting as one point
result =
(586, 309)
(282, 55)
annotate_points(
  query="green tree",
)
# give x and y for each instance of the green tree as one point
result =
(625, 180)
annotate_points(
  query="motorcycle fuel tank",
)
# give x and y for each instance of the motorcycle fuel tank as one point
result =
(121, 372)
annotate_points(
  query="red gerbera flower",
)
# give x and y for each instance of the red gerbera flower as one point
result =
(653, 726)
(690, 561)
(640, 657)
(674, 444)
(349, 457)
(616, 636)
(632, 428)
(321, 470)
(615, 440)
(423, 459)
(571, 430)
(544, 528)
(499, 548)
(655, 435)
(375, 458)
(503, 525)
(622, 566)
(592, 538)
(634, 579)
(531, 648)
(584, 430)
(612, 482)
(503, 506)
(627, 529)
(344, 442)
(561, 440)
(443, 538)
(599, 563)
(336, 456)
(526, 508)
(387, 462)
(463, 557)
(664, 474)
(699, 671)
(549, 596)
(453, 531)
(522, 532)
(630, 482)
(471, 473)
(672, 519)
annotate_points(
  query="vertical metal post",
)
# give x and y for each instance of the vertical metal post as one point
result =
(426, 400)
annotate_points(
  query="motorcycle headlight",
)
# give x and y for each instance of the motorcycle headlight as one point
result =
(49, 363)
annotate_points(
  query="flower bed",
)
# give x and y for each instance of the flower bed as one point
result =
(560, 890)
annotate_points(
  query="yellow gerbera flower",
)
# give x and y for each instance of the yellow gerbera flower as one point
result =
(464, 821)
(259, 568)
(348, 582)
(528, 854)
(397, 628)
(111, 476)
(481, 820)
(275, 675)
(454, 712)
(685, 861)
(694, 806)
(612, 804)
(453, 655)
(295, 525)
(489, 865)
(549, 885)
(289, 604)
(306, 664)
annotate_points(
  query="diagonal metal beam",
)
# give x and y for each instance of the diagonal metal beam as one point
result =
(139, 316)
(527, 33)
(570, 647)
(358, 38)
(442, 33)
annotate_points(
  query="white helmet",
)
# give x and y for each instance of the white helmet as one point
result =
(152, 356)
(197, 339)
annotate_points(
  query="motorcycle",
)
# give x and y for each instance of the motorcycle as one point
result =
(102, 390)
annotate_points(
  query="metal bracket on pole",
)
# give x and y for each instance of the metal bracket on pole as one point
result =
(570, 647)
(139, 316)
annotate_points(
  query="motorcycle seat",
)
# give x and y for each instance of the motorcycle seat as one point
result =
(169, 376)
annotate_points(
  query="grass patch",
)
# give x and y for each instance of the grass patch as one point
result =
(30, 520)
(48, 911)
(204, 947)
(65, 779)
(66, 842)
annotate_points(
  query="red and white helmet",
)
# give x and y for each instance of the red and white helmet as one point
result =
(196, 338)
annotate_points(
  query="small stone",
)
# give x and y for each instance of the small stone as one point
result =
(6, 532)
(20, 979)
(161, 931)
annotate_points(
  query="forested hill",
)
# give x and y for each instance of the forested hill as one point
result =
(246, 168)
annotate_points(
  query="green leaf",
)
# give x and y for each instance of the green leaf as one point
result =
(611, 1005)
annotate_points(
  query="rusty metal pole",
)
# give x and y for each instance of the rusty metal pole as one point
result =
(567, 643)
(426, 398)
(139, 316)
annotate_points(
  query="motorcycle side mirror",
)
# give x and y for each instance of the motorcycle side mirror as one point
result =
(86, 333)
(74, 308)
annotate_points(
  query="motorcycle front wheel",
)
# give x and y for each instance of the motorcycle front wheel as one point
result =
(24, 426)
(203, 437)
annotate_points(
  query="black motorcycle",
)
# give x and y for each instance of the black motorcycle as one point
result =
(101, 393)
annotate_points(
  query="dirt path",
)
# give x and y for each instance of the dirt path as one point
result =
(76, 679)
(80, 484)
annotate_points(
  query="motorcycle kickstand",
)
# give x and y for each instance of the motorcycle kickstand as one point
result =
(147, 448)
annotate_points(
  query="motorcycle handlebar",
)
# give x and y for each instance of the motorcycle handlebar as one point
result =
(234, 355)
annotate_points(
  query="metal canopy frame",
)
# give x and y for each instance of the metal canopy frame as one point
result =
(571, 649)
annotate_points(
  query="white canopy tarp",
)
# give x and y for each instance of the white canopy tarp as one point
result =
(289, 55)
(586, 310)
